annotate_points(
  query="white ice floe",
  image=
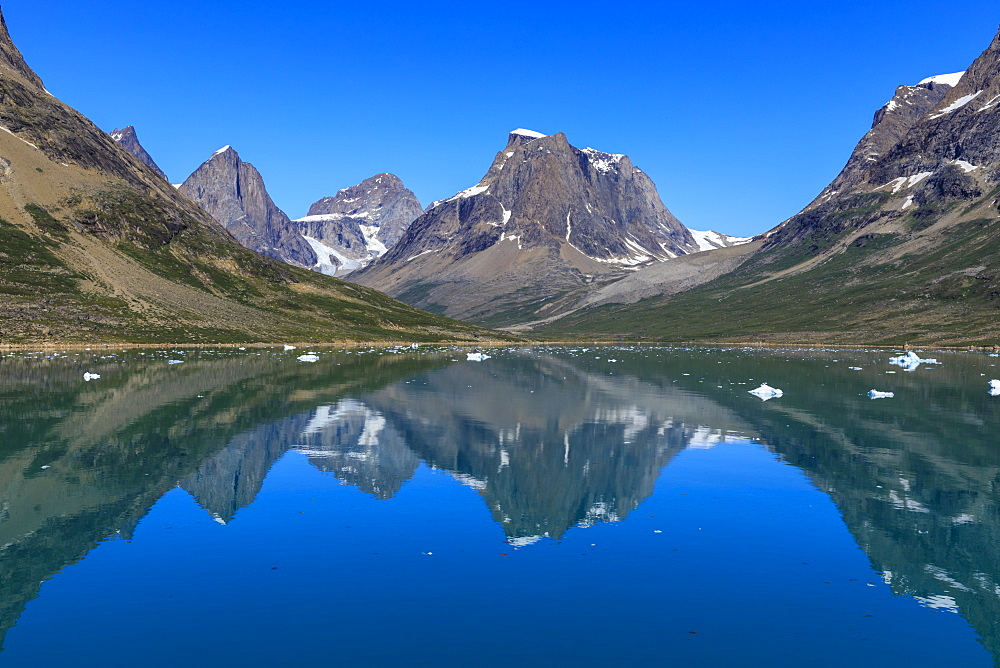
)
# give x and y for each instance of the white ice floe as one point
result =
(910, 361)
(288, 347)
(765, 392)
(91, 376)
(875, 394)
(175, 361)
(995, 388)
(308, 358)
(476, 357)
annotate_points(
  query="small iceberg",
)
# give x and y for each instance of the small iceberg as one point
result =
(765, 392)
(875, 394)
(91, 376)
(308, 358)
(995, 388)
(476, 357)
(911, 361)
(175, 361)
(288, 347)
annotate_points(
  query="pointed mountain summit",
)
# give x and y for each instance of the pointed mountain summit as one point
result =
(97, 247)
(128, 140)
(902, 247)
(546, 219)
(233, 192)
(360, 223)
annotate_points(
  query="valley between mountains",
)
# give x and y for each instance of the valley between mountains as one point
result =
(554, 242)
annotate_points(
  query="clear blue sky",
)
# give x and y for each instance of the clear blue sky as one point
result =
(740, 111)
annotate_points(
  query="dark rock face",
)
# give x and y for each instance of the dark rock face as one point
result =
(891, 123)
(128, 140)
(233, 192)
(932, 144)
(546, 218)
(12, 59)
(361, 223)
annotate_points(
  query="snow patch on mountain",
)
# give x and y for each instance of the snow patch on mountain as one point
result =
(947, 79)
(957, 104)
(326, 256)
(603, 162)
(710, 240)
(527, 133)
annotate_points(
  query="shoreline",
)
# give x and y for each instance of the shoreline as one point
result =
(57, 346)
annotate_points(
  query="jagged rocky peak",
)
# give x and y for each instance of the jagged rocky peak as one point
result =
(547, 217)
(381, 200)
(233, 192)
(359, 223)
(128, 140)
(892, 121)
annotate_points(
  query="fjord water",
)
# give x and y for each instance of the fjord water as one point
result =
(567, 505)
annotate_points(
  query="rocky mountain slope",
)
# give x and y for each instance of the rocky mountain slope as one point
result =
(545, 220)
(233, 192)
(903, 246)
(360, 223)
(129, 141)
(99, 247)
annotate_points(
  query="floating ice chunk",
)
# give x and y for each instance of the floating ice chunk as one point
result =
(765, 392)
(308, 358)
(910, 361)
(91, 376)
(995, 388)
(476, 357)
(175, 362)
(875, 394)
(854, 368)
(288, 347)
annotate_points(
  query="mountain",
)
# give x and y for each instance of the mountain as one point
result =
(233, 192)
(359, 223)
(98, 247)
(545, 220)
(128, 140)
(903, 246)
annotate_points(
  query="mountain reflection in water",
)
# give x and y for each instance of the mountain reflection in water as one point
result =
(551, 439)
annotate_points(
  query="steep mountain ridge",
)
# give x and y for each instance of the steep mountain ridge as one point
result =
(98, 247)
(233, 192)
(904, 246)
(545, 220)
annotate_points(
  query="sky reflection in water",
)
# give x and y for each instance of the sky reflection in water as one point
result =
(580, 506)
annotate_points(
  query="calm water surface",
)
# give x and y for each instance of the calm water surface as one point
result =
(547, 506)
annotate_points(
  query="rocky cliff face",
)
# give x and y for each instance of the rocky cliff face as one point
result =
(547, 218)
(359, 223)
(891, 123)
(233, 192)
(127, 139)
(932, 145)
(98, 247)
(903, 247)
